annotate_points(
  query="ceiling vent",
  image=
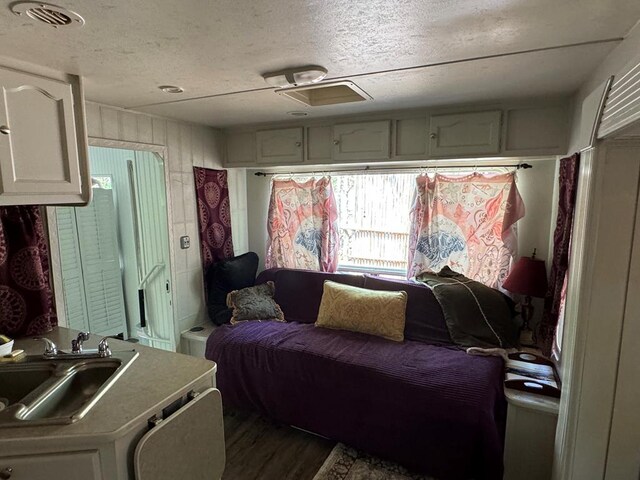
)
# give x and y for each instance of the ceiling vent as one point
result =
(331, 93)
(51, 15)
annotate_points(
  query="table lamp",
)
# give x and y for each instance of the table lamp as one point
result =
(528, 277)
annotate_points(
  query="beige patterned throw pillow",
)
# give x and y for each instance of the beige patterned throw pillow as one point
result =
(358, 309)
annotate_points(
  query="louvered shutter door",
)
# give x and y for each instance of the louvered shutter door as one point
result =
(101, 264)
(71, 266)
(622, 107)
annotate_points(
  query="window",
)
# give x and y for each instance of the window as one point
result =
(399, 224)
(373, 221)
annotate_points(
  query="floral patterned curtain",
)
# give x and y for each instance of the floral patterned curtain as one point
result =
(26, 298)
(214, 215)
(467, 223)
(302, 225)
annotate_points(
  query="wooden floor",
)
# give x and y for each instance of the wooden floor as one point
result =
(258, 448)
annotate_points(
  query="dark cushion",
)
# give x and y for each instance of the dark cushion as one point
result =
(424, 318)
(225, 276)
(299, 292)
(254, 303)
(476, 315)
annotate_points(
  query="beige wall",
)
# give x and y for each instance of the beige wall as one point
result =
(187, 145)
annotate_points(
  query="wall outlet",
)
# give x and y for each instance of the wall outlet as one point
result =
(185, 242)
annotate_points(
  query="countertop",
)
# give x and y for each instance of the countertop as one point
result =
(532, 401)
(154, 379)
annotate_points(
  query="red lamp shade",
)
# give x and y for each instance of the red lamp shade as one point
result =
(527, 277)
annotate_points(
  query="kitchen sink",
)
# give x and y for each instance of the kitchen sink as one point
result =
(58, 391)
(16, 382)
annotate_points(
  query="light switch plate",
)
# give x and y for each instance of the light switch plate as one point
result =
(185, 242)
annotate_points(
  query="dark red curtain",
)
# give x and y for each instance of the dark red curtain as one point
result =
(214, 215)
(26, 298)
(568, 186)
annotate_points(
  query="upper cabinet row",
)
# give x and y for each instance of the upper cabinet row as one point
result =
(43, 141)
(515, 132)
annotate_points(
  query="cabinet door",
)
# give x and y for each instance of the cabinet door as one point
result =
(280, 147)
(38, 144)
(241, 149)
(529, 437)
(319, 144)
(361, 141)
(535, 131)
(411, 137)
(464, 134)
(70, 466)
(189, 444)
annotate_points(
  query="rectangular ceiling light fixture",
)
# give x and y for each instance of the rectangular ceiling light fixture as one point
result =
(331, 93)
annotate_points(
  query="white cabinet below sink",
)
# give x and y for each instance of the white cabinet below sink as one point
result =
(158, 388)
(67, 466)
(189, 444)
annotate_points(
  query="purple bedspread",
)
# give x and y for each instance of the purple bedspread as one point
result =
(432, 408)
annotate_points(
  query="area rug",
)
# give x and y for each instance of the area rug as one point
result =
(345, 463)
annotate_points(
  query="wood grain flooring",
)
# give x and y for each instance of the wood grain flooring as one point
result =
(260, 449)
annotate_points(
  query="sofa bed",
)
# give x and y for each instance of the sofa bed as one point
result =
(423, 402)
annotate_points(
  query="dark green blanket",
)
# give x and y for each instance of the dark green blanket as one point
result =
(476, 315)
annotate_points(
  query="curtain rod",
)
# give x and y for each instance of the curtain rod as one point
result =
(519, 166)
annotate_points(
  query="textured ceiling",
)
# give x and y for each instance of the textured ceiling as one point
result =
(219, 48)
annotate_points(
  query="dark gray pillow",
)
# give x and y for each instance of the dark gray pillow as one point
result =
(476, 315)
(254, 303)
(224, 277)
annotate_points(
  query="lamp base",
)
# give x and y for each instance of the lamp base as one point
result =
(527, 335)
(527, 338)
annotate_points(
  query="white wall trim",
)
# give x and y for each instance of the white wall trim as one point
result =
(127, 145)
(55, 266)
(595, 311)
(572, 347)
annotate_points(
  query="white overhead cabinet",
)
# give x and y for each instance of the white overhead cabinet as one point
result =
(43, 144)
(241, 149)
(361, 141)
(411, 138)
(476, 133)
(319, 144)
(282, 146)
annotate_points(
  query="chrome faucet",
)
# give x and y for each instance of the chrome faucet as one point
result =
(76, 345)
(51, 351)
(103, 348)
(50, 348)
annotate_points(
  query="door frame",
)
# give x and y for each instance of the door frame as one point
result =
(56, 270)
(591, 346)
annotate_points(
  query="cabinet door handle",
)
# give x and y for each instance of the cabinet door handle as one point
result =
(298, 144)
(336, 142)
(5, 473)
(5, 131)
(433, 136)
